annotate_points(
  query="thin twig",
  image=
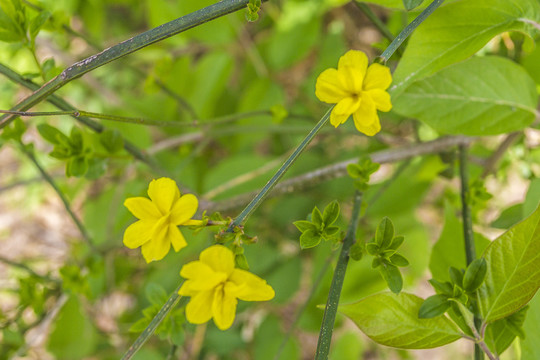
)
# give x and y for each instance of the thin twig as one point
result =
(339, 169)
(499, 153)
(60, 194)
(28, 269)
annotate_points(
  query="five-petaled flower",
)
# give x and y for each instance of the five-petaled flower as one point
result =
(214, 285)
(159, 219)
(357, 90)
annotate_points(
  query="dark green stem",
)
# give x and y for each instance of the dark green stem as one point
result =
(145, 335)
(470, 251)
(301, 310)
(63, 105)
(327, 327)
(124, 48)
(404, 34)
(61, 195)
(254, 204)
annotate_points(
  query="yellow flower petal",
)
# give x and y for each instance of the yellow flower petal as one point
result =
(184, 209)
(348, 105)
(201, 276)
(163, 193)
(219, 258)
(329, 88)
(338, 119)
(377, 77)
(142, 208)
(156, 249)
(381, 99)
(368, 124)
(223, 308)
(176, 238)
(138, 233)
(199, 308)
(352, 69)
(250, 287)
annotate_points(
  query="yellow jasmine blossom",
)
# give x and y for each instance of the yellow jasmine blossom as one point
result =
(214, 285)
(357, 90)
(159, 218)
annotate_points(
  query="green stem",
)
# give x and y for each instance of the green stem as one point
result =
(301, 310)
(126, 47)
(327, 327)
(404, 34)
(140, 121)
(95, 126)
(375, 20)
(470, 250)
(61, 195)
(468, 235)
(145, 335)
(254, 204)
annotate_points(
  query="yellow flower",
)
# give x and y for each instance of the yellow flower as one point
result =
(159, 218)
(357, 90)
(214, 286)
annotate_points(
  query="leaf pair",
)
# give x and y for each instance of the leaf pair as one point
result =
(320, 227)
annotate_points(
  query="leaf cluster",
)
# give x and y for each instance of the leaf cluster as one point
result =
(78, 153)
(320, 227)
(361, 172)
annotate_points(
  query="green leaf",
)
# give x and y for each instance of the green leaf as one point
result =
(513, 274)
(77, 166)
(384, 233)
(392, 276)
(38, 22)
(396, 242)
(316, 217)
(442, 287)
(376, 262)
(474, 275)
(304, 225)
(411, 4)
(310, 238)
(140, 325)
(456, 276)
(399, 260)
(466, 26)
(354, 171)
(331, 230)
(156, 294)
(73, 335)
(331, 213)
(52, 134)
(434, 306)
(372, 248)
(501, 333)
(392, 320)
(111, 140)
(356, 252)
(530, 346)
(481, 96)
